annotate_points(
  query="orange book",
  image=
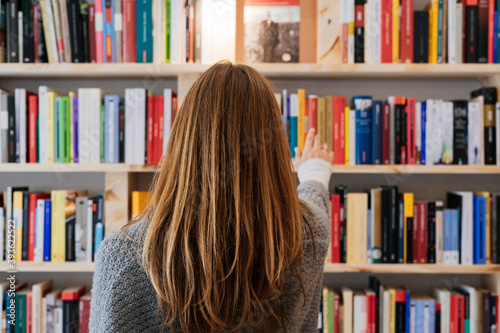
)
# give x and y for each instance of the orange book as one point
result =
(140, 200)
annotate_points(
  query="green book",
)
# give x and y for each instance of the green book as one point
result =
(330, 311)
(167, 31)
(58, 130)
(440, 33)
(66, 129)
(21, 301)
(102, 136)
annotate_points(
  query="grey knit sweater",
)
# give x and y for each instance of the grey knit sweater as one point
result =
(123, 298)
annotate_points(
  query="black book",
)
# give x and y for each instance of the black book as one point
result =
(70, 222)
(70, 316)
(493, 312)
(359, 32)
(460, 132)
(399, 112)
(146, 128)
(431, 232)
(75, 31)
(490, 98)
(25, 232)
(400, 311)
(28, 37)
(374, 284)
(342, 191)
(42, 47)
(394, 225)
(121, 132)
(12, 31)
(496, 207)
(409, 240)
(11, 137)
(421, 36)
(482, 31)
(487, 311)
(94, 222)
(454, 201)
(404, 134)
(386, 225)
(437, 319)
(84, 16)
(471, 27)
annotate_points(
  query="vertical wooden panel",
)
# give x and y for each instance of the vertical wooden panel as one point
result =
(308, 29)
(329, 32)
(116, 201)
(184, 83)
(240, 32)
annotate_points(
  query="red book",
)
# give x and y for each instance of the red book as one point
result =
(92, 49)
(33, 197)
(72, 293)
(36, 31)
(191, 33)
(313, 112)
(411, 149)
(150, 134)
(32, 122)
(453, 313)
(386, 133)
(336, 318)
(371, 311)
(29, 312)
(335, 201)
(422, 232)
(461, 312)
(416, 225)
(129, 31)
(338, 129)
(158, 129)
(84, 313)
(491, 28)
(386, 31)
(406, 31)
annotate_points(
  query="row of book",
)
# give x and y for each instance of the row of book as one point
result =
(43, 308)
(399, 130)
(58, 226)
(86, 127)
(447, 31)
(141, 31)
(384, 309)
(386, 226)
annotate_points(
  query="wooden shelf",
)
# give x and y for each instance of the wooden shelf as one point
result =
(284, 71)
(337, 169)
(88, 267)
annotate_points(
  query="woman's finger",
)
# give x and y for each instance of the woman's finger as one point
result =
(309, 138)
(317, 142)
(298, 155)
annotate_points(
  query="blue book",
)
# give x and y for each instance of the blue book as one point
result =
(401, 231)
(76, 134)
(111, 135)
(363, 109)
(377, 132)
(58, 130)
(108, 31)
(455, 238)
(47, 230)
(144, 30)
(407, 317)
(294, 113)
(423, 118)
(369, 235)
(429, 314)
(99, 227)
(447, 243)
(479, 230)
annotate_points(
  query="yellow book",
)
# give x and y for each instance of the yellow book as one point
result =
(58, 241)
(140, 200)
(50, 126)
(395, 32)
(329, 121)
(17, 216)
(301, 121)
(71, 143)
(432, 8)
(326, 312)
(322, 119)
(486, 196)
(392, 311)
(408, 218)
(347, 135)
(356, 233)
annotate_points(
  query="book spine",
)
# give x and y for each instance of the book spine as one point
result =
(47, 231)
(395, 31)
(452, 31)
(482, 31)
(31, 226)
(33, 118)
(491, 31)
(144, 31)
(415, 234)
(377, 132)
(37, 21)
(85, 31)
(39, 227)
(108, 31)
(431, 232)
(159, 122)
(75, 31)
(359, 31)
(401, 234)
(352, 138)
(386, 31)
(66, 117)
(344, 20)
(351, 31)
(92, 34)
(460, 137)
(191, 32)
(410, 130)
(386, 123)
(440, 39)
(121, 133)
(150, 119)
(102, 142)
(99, 24)
(335, 220)
(471, 31)
(489, 134)
(118, 29)
(28, 36)
(407, 31)
(76, 131)
(26, 226)
(12, 31)
(11, 129)
(363, 130)
(338, 129)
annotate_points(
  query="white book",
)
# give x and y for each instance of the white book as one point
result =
(39, 291)
(89, 229)
(418, 130)
(376, 31)
(443, 297)
(42, 119)
(460, 22)
(140, 123)
(386, 297)
(39, 227)
(49, 30)
(392, 159)
(159, 12)
(111, 127)
(206, 31)
(83, 126)
(367, 30)
(129, 125)
(480, 100)
(58, 317)
(4, 127)
(352, 137)
(347, 297)
(44, 315)
(497, 129)
(359, 313)
(20, 32)
(95, 125)
(412, 318)
(447, 126)
(175, 32)
(473, 308)
(452, 31)
(23, 130)
(58, 28)
(439, 233)
(474, 149)
(466, 228)
(81, 233)
(350, 39)
(167, 116)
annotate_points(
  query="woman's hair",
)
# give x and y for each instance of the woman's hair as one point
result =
(225, 221)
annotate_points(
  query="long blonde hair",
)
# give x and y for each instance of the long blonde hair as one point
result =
(225, 222)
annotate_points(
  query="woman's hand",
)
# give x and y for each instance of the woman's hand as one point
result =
(313, 149)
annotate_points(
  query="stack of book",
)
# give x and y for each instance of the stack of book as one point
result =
(384, 309)
(82, 128)
(391, 31)
(386, 226)
(42, 308)
(58, 226)
(141, 31)
(399, 130)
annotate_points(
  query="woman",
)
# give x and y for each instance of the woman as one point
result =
(227, 242)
